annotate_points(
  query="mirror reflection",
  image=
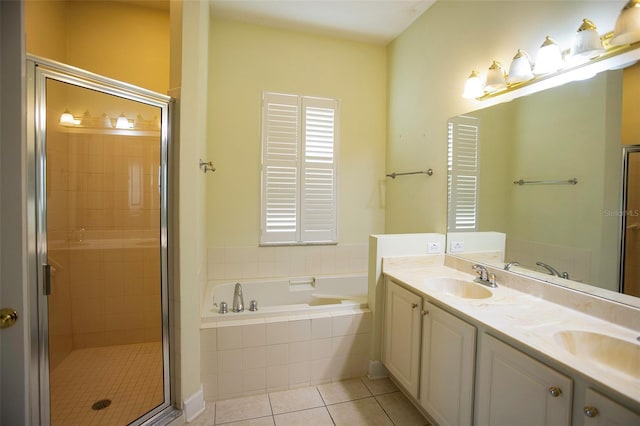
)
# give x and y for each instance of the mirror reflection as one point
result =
(538, 181)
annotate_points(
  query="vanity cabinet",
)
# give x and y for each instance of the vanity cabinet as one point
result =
(447, 368)
(515, 389)
(401, 352)
(598, 410)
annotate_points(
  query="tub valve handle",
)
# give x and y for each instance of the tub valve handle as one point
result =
(224, 309)
(253, 305)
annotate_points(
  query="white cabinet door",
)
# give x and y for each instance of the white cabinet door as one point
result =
(448, 361)
(515, 389)
(599, 410)
(401, 354)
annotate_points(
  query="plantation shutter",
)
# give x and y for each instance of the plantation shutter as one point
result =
(280, 161)
(462, 177)
(298, 169)
(318, 213)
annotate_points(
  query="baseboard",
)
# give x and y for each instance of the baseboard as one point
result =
(377, 370)
(194, 405)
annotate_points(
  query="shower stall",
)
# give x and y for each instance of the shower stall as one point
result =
(100, 177)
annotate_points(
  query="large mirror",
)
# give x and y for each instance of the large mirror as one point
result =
(547, 188)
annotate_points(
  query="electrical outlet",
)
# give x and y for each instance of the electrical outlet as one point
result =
(457, 246)
(433, 248)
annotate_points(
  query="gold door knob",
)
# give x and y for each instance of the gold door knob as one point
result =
(8, 317)
(590, 411)
(425, 312)
(414, 305)
(555, 391)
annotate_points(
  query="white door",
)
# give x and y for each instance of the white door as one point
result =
(14, 408)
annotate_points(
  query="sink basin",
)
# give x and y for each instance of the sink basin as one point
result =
(458, 288)
(611, 352)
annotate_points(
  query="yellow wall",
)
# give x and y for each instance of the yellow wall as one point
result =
(189, 201)
(122, 41)
(246, 60)
(428, 65)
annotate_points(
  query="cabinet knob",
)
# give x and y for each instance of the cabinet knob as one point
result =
(590, 411)
(555, 391)
(414, 305)
(425, 312)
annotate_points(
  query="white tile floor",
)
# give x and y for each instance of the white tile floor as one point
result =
(129, 375)
(356, 402)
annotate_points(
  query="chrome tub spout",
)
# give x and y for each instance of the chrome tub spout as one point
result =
(238, 299)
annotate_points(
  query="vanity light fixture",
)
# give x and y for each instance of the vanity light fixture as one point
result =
(589, 55)
(473, 86)
(627, 29)
(520, 68)
(586, 43)
(496, 78)
(549, 58)
(105, 122)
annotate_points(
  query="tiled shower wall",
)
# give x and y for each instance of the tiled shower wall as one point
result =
(102, 200)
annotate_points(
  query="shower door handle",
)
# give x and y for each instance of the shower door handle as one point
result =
(46, 279)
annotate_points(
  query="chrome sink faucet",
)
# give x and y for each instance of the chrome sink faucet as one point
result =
(509, 265)
(238, 299)
(484, 277)
(553, 271)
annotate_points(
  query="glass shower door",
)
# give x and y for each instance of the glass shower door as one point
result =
(102, 152)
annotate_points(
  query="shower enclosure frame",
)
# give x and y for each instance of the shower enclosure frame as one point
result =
(627, 150)
(38, 70)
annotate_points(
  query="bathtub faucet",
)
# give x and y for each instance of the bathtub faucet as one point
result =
(238, 299)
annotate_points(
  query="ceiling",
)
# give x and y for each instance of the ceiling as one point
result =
(373, 21)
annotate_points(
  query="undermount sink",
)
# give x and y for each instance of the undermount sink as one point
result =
(458, 288)
(611, 352)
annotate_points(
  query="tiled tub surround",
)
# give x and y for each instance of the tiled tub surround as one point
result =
(249, 263)
(246, 357)
(529, 313)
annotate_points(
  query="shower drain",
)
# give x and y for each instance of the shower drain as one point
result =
(99, 405)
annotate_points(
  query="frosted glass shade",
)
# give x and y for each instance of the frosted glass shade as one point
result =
(520, 68)
(627, 28)
(549, 58)
(496, 78)
(586, 43)
(473, 86)
(66, 117)
(122, 122)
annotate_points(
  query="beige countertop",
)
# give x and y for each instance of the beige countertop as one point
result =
(529, 320)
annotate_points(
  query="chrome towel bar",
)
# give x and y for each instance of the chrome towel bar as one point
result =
(421, 172)
(572, 181)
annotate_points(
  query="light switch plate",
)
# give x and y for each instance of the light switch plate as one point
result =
(433, 248)
(457, 246)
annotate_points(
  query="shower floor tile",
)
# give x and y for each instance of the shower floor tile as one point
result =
(130, 376)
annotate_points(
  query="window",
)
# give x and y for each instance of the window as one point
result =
(462, 176)
(299, 139)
